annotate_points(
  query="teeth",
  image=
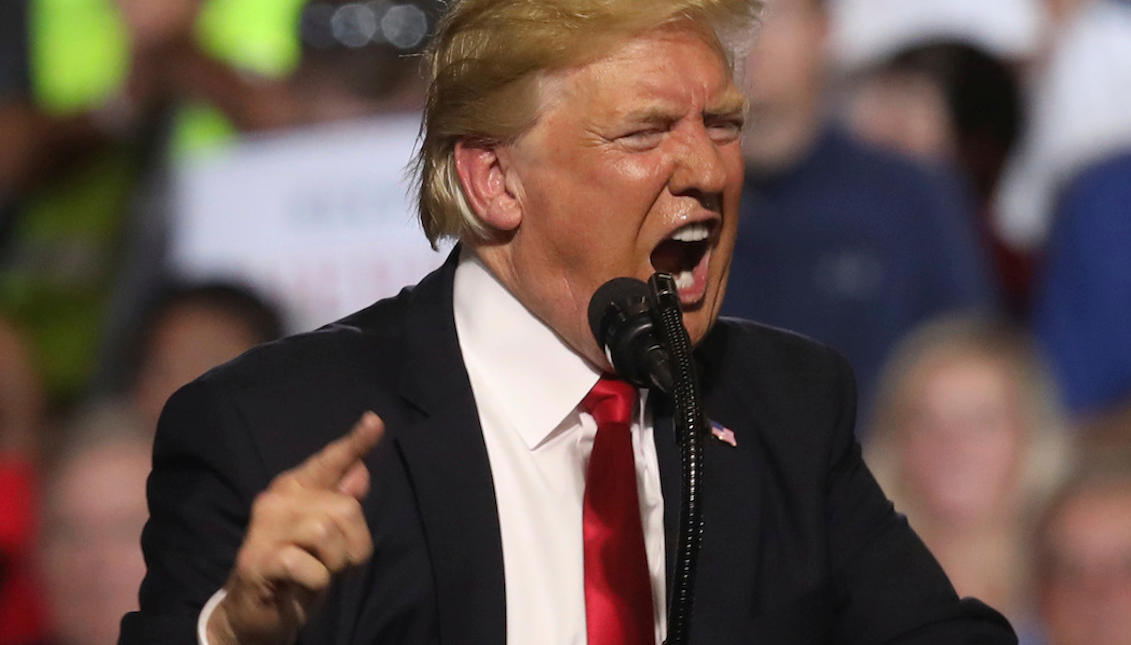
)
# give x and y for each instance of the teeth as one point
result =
(685, 280)
(692, 233)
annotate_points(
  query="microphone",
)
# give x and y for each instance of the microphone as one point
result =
(640, 328)
(621, 318)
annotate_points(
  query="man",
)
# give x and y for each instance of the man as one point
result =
(187, 329)
(1084, 297)
(92, 507)
(1084, 555)
(22, 422)
(840, 241)
(566, 143)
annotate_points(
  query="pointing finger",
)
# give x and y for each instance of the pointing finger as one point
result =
(327, 467)
(355, 482)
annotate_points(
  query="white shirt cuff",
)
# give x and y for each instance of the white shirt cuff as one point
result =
(205, 614)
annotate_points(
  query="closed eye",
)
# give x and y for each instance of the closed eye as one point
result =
(725, 130)
(643, 139)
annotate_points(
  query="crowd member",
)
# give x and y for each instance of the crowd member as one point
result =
(1083, 555)
(187, 330)
(22, 423)
(177, 54)
(841, 241)
(1079, 112)
(113, 88)
(967, 440)
(953, 103)
(93, 507)
(1083, 295)
(943, 101)
(565, 144)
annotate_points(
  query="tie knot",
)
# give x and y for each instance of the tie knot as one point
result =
(611, 401)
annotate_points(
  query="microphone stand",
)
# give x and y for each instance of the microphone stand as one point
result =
(691, 428)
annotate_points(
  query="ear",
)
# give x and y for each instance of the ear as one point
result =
(484, 178)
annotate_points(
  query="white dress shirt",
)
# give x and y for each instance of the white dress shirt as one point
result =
(528, 386)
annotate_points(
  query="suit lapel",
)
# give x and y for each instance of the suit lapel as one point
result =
(450, 472)
(731, 496)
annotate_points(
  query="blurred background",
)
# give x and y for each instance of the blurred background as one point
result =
(939, 190)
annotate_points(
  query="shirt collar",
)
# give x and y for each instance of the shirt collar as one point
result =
(537, 378)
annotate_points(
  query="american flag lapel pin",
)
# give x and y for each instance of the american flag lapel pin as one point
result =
(723, 433)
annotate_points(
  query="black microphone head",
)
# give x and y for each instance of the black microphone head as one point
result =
(620, 315)
(611, 298)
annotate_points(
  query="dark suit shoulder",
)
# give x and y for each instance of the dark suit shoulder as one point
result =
(776, 375)
(358, 342)
(294, 395)
(778, 347)
(835, 562)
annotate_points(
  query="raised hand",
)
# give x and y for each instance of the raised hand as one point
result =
(304, 529)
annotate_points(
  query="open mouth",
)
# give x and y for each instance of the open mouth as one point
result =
(685, 255)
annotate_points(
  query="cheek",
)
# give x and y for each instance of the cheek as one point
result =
(649, 173)
(735, 166)
(601, 209)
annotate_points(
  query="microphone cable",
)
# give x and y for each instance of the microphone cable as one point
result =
(690, 424)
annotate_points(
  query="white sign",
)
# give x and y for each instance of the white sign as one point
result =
(320, 219)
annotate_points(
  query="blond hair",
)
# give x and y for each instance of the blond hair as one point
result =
(487, 57)
(1009, 347)
(1043, 451)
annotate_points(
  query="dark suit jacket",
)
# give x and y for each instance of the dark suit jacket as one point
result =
(800, 545)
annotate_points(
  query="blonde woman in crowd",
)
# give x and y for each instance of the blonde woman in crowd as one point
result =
(966, 437)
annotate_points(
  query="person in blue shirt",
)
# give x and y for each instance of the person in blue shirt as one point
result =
(1083, 297)
(839, 240)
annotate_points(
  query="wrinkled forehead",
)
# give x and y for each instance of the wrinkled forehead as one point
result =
(675, 30)
(615, 53)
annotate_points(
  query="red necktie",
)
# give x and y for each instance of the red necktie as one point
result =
(618, 589)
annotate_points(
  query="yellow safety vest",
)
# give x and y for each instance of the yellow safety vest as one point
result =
(68, 239)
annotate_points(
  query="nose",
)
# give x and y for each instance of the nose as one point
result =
(700, 170)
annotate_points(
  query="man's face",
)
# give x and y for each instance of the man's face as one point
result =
(633, 167)
(963, 436)
(1086, 590)
(786, 80)
(89, 553)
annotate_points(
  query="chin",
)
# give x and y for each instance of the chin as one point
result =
(698, 323)
(702, 317)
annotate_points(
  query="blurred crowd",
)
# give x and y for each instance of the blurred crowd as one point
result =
(940, 191)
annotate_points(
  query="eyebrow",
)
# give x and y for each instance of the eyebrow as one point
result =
(731, 105)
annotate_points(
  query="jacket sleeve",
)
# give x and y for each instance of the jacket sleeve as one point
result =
(206, 472)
